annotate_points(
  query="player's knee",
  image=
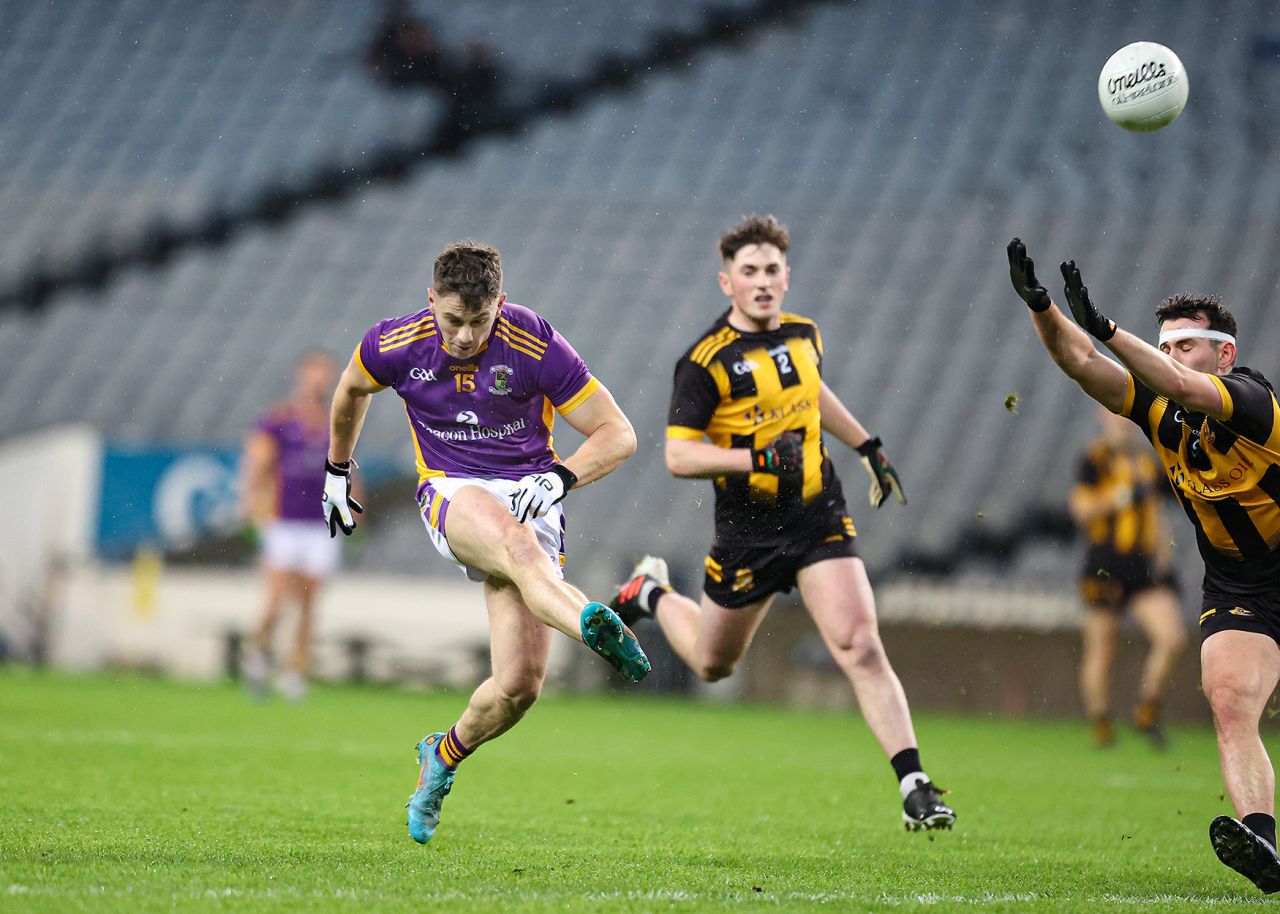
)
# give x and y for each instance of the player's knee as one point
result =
(520, 550)
(862, 651)
(520, 693)
(716, 668)
(1231, 703)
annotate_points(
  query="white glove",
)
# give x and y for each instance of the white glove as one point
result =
(337, 500)
(535, 495)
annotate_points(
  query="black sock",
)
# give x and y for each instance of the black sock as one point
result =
(1262, 825)
(656, 594)
(907, 762)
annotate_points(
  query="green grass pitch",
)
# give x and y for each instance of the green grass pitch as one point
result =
(140, 795)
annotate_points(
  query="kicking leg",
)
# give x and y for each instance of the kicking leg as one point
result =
(483, 534)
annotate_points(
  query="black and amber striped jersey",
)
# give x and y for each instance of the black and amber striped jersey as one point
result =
(741, 389)
(1108, 470)
(1225, 474)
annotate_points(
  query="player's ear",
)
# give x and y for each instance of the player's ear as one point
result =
(725, 285)
(502, 300)
(786, 278)
(1226, 356)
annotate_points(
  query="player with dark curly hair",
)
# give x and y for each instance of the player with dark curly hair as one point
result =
(1215, 427)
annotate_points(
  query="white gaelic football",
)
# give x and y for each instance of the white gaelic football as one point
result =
(1143, 86)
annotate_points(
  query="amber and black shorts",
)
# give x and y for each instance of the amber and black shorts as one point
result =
(739, 575)
(1222, 610)
(1110, 580)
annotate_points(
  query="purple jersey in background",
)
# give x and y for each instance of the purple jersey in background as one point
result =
(301, 452)
(486, 416)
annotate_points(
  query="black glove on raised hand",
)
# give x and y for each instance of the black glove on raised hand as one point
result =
(884, 478)
(1022, 272)
(1083, 309)
(783, 456)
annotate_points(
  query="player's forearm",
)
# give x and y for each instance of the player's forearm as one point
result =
(603, 452)
(346, 419)
(1164, 375)
(702, 460)
(839, 421)
(1068, 345)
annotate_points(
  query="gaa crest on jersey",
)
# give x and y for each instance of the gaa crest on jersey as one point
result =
(501, 379)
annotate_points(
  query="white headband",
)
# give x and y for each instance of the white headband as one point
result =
(1191, 333)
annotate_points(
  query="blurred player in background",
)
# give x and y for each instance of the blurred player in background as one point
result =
(283, 480)
(1215, 428)
(482, 379)
(752, 385)
(1127, 566)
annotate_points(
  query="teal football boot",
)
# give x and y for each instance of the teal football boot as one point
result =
(605, 633)
(435, 780)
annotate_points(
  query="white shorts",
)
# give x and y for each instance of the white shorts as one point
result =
(434, 505)
(300, 546)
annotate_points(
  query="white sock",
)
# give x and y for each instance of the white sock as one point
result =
(911, 782)
(646, 590)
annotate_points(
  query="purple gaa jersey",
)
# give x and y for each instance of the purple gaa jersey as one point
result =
(301, 451)
(488, 415)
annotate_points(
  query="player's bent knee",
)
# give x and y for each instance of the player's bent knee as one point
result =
(715, 670)
(520, 551)
(520, 694)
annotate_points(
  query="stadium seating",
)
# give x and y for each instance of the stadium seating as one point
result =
(902, 156)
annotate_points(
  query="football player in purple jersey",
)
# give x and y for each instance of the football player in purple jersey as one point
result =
(282, 477)
(482, 380)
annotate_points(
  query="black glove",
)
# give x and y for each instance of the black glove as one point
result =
(1022, 272)
(884, 478)
(338, 503)
(783, 456)
(1082, 309)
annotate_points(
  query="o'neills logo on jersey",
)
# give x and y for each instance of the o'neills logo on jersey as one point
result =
(478, 432)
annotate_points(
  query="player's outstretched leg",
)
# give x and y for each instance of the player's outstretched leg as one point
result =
(612, 639)
(435, 780)
(638, 598)
(1245, 852)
